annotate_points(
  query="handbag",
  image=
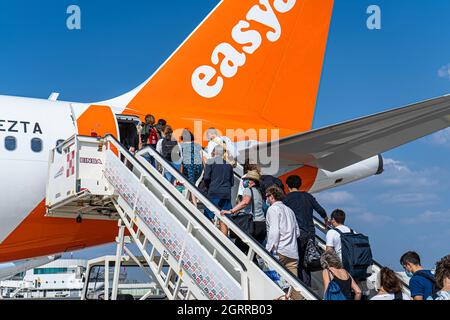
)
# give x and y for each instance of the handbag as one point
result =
(311, 260)
(244, 221)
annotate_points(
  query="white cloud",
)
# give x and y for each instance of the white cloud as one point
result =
(398, 174)
(429, 217)
(444, 72)
(396, 165)
(413, 199)
(373, 218)
(440, 138)
(336, 197)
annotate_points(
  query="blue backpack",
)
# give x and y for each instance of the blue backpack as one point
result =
(334, 292)
(356, 254)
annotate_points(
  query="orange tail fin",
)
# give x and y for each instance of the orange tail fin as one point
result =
(250, 64)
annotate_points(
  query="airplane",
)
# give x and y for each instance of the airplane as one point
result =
(250, 64)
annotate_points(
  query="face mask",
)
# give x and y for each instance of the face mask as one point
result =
(268, 202)
(245, 183)
(409, 274)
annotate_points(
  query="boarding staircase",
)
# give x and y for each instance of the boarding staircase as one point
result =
(97, 178)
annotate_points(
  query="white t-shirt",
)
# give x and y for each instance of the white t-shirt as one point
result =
(334, 239)
(388, 296)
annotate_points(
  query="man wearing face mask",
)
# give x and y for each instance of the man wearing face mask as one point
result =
(422, 281)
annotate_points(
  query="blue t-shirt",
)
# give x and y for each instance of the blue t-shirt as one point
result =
(421, 286)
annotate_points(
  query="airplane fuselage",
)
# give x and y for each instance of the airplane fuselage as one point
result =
(29, 128)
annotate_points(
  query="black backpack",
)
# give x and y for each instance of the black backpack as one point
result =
(356, 254)
(398, 296)
(268, 181)
(167, 147)
(311, 260)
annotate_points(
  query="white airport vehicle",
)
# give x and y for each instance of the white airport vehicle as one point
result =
(98, 279)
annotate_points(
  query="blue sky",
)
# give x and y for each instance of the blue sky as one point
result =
(408, 60)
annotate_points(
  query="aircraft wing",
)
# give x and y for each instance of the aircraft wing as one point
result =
(338, 146)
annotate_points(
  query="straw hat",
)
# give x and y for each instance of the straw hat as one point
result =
(252, 175)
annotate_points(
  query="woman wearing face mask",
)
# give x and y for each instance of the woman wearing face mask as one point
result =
(251, 203)
(246, 168)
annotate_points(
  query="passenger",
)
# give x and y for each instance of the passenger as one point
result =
(282, 232)
(169, 149)
(333, 238)
(303, 204)
(390, 286)
(442, 275)
(192, 160)
(160, 127)
(129, 136)
(251, 203)
(422, 281)
(337, 282)
(246, 168)
(268, 181)
(229, 147)
(149, 136)
(191, 154)
(219, 180)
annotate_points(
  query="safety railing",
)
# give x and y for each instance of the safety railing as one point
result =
(171, 230)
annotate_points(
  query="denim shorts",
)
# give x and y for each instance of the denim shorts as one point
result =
(222, 204)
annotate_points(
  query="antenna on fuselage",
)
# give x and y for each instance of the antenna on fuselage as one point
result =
(53, 96)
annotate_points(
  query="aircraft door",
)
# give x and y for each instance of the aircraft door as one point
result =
(128, 132)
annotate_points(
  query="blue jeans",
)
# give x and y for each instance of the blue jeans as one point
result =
(167, 174)
(222, 204)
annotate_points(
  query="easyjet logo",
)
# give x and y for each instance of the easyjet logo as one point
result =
(206, 80)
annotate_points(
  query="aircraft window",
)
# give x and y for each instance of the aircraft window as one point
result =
(36, 145)
(10, 143)
(59, 149)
